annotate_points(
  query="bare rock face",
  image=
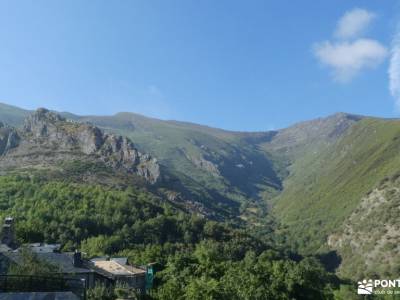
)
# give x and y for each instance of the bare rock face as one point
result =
(48, 137)
(9, 139)
(43, 124)
(47, 127)
(204, 164)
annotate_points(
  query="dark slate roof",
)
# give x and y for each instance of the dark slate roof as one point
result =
(39, 296)
(63, 260)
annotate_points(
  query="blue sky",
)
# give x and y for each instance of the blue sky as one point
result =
(240, 65)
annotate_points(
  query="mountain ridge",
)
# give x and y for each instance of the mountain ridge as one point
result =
(11, 110)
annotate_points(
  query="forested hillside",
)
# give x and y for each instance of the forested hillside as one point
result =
(197, 259)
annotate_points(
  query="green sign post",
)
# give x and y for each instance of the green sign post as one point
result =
(149, 277)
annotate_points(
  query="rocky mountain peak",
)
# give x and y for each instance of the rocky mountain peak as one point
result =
(45, 114)
(47, 132)
(42, 115)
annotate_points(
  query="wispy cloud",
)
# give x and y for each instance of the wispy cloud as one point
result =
(353, 23)
(394, 69)
(347, 59)
(348, 53)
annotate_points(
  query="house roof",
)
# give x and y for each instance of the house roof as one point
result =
(117, 269)
(45, 248)
(39, 296)
(63, 260)
(120, 260)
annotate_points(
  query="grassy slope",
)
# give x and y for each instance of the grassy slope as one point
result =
(325, 187)
(12, 115)
(244, 170)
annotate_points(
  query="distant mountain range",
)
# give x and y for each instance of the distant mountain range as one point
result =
(330, 184)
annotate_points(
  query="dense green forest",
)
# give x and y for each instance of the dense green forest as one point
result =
(196, 258)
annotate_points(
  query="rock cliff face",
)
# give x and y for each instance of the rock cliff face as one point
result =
(47, 138)
(9, 138)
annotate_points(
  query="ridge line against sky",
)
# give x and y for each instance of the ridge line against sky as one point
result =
(249, 66)
(183, 121)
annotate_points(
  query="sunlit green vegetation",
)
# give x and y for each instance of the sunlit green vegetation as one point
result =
(326, 186)
(195, 258)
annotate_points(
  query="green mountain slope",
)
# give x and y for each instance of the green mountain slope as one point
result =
(211, 164)
(216, 168)
(12, 115)
(326, 187)
(295, 141)
(228, 169)
(218, 165)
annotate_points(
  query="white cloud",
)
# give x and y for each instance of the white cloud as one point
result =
(347, 59)
(348, 54)
(394, 69)
(353, 23)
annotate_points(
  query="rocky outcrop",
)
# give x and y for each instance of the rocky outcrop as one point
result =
(204, 164)
(48, 137)
(201, 163)
(368, 241)
(9, 139)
